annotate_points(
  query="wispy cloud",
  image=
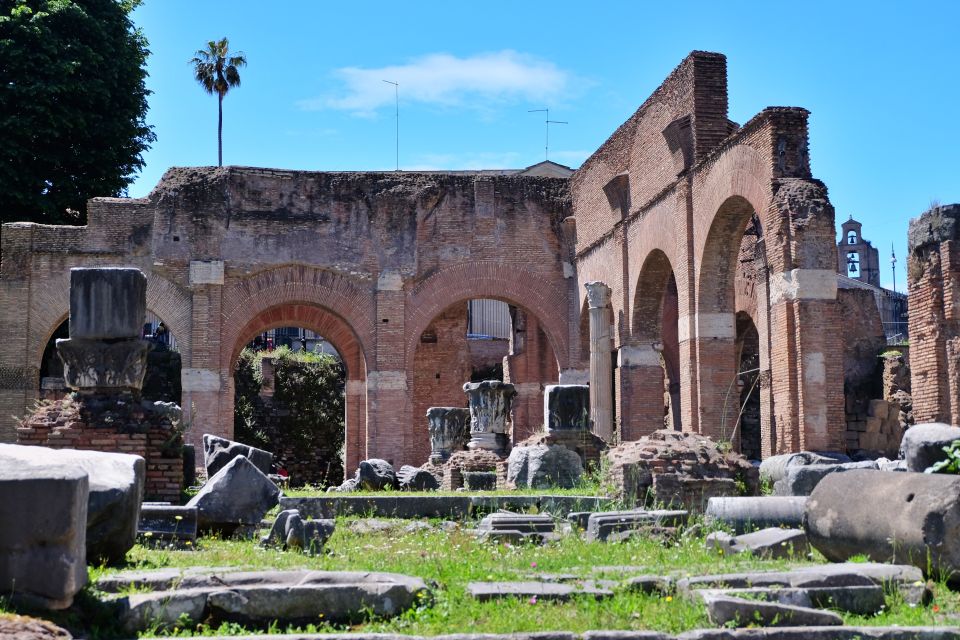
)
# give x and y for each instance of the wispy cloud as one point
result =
(446, 80)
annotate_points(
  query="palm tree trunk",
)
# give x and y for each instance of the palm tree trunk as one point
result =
(220, 130)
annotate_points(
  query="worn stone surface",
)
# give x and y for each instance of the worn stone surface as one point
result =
(107, 303)
(540, 466)
(43, 525)
(239, 494)
(414, 479)
(741, 612)
(566, 407)
(449, 431)
(260, 597)
(536, 591)
(217, 452)
(769, 543)
(922, 444)
(744, 514)
(678, 469)
(93, 366)
(802, 479)
(919, 523)
(116, 483)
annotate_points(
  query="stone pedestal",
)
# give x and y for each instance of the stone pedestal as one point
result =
(490, 403)
(601, 361)
(449, 431)
(566, 407)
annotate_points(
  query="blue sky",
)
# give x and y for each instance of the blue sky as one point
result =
(882, 80)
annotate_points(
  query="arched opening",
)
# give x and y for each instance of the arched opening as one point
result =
(482, 339)
(290, 399)
(734, 235)
(51, 384)
(748, 387)
(305, 398)
(655, 326)
(853, 264)
(851, 237)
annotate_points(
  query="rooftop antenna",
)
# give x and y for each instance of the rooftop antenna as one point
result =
(893, 265)
(547, 122)
(396, 95)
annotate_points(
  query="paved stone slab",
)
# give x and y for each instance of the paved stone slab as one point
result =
(741, 612)
(556, 591)
(864, 600)
(430, 506)
(650, 584)
(261, 597)
(826, 633)
(43, 516)
(769, 543)
(517, 522)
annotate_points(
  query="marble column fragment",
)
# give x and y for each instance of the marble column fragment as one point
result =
(601, 363)
(449, 431)
(490, 406)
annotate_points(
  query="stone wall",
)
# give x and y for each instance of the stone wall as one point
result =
(934, 284)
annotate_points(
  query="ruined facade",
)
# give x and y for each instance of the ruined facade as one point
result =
(934, 280)
(706, 246)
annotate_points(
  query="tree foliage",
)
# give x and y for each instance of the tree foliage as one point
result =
(217, 71)
(73, 104)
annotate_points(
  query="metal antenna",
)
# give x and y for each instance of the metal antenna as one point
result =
(893, 266)
(547, 122)
(396, 94)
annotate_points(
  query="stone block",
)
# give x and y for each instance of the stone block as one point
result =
(107, 303)
(414, 479)
(801, 481)
(239, 494)
(376, 475)
(543, 466)
(164, 522)
(878, 409)
(741, 612)
(536, 591)
(217, 452)
(922, 444)
(772, 542)
(291, 531)
(43, 516)
(566, 407)
(604, 525)
(873, 424)
(116, 482)
(480, 480)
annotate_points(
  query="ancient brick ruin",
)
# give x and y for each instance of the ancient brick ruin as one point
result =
(684, 247)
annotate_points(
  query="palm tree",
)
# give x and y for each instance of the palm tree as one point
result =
(216, 71)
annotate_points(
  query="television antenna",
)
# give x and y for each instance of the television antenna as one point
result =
(396, 95)
(547, 122)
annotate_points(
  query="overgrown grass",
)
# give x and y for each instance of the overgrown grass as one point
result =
(448, 561)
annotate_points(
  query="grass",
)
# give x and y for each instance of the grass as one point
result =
(309, 491)
(449, 560)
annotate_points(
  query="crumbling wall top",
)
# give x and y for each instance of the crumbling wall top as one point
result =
(933, 226)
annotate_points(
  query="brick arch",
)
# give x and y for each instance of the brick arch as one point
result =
(511, 283)
(309, 316)
(652, 282)
(718, 262)
(174, 306)
(294, 289)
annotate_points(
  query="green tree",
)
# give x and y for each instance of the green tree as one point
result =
(73, 105)
(217, 71)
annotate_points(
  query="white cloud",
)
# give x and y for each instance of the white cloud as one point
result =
(446, 80)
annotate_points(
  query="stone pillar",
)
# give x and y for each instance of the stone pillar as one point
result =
(716, 348)
(207, 390)
(104, 352)
(641, 391)
(601, 391)
(566, 407)
(449, 431)
(490, 403)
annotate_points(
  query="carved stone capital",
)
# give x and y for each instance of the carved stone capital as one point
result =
(598, 295)
(101, 366)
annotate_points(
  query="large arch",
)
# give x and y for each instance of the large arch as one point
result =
(511, 283)
(310, 315)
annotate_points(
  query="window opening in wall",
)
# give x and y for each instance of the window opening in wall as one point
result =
(851, 237)
(853, 264)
